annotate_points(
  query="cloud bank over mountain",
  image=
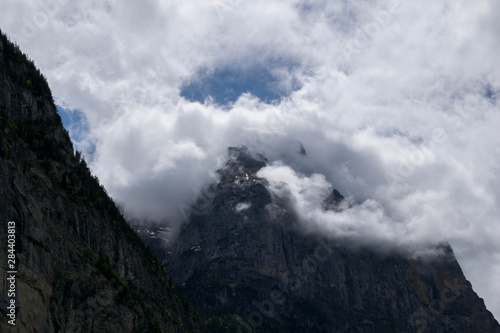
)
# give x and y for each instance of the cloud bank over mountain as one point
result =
(395, 103)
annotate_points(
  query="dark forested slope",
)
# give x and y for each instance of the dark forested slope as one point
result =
(81, 268)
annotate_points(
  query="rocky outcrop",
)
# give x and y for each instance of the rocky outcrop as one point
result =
(81, 268)
(246, 266)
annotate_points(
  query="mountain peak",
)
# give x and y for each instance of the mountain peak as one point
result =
(246, 266)
(242, 162)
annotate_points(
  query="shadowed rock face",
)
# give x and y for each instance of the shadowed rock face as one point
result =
(80, 266)
(246, 266)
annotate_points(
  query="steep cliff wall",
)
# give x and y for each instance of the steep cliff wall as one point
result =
(247, 266)
(80, 266)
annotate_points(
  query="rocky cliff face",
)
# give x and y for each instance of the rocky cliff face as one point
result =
(81, 268)
(247, 267)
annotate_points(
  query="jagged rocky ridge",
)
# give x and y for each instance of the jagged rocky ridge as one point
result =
(247, 267)
(81, 267)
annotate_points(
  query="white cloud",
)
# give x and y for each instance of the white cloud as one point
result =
(242, 206)
(405, 126)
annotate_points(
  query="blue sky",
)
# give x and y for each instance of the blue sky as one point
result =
(225, 85)
(77, 125)
(74, 121)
